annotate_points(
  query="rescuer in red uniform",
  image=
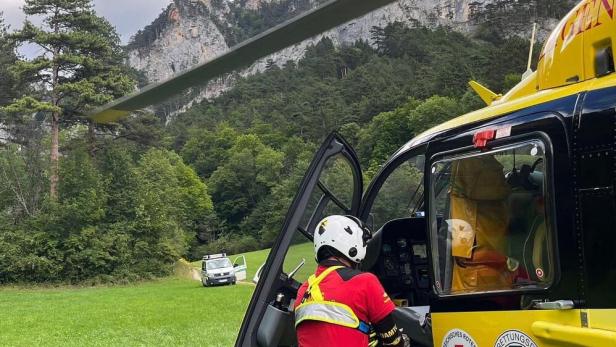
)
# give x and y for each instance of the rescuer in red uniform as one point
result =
(340, 305)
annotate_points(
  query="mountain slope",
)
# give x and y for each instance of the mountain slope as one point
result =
(189, 32)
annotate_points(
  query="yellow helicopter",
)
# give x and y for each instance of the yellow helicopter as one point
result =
(497, 228)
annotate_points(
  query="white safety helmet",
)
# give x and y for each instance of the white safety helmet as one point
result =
(346, 234)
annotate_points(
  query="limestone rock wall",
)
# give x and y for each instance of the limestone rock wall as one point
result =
(193, 31)
(193, 34)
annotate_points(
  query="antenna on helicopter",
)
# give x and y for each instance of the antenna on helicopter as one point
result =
(529, 71)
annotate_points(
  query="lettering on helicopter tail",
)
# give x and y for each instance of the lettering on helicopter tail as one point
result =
(609, 7)
(514, 338)
(458, 338)
(586, 17)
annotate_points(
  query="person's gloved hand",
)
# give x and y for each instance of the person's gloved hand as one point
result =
(373, 341)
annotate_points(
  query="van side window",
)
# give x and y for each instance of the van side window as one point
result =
(489, 221)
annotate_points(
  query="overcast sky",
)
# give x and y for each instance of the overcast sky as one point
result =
(127, 16)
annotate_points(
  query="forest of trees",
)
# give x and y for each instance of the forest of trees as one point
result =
(81, 203)
(133, 198)
(252, 144)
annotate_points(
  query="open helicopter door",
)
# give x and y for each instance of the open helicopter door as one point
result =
(332, 185)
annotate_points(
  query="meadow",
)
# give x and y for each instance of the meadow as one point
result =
(167, 312)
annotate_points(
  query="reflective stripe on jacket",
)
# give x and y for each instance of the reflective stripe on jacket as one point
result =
(315, 307)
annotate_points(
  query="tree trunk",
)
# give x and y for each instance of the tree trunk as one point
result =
(54, 170)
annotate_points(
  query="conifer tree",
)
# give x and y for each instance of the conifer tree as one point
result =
(7, 58)
(79, 67)
(13, 129)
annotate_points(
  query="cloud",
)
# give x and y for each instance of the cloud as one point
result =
(130, 15)
(127, 16)
(12, 12)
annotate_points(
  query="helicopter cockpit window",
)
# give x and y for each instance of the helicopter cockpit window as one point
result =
(332, 195)
(489, 221)
(401, 195)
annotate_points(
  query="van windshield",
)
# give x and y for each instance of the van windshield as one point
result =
(217, 264)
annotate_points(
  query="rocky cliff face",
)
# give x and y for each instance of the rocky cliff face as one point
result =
(183, 36)
(431, 13)
(192, 31)
(189, 32)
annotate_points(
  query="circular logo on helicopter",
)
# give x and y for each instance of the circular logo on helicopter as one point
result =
(458, 338)
(514, 338)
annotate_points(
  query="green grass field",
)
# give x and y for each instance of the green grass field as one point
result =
(169, 312)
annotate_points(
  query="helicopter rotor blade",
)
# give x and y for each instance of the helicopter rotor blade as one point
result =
(293, 31)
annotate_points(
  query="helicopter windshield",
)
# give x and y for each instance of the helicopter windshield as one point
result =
(217, 264)
(401, 195)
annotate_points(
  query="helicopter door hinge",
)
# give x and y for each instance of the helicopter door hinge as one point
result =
(584, 318)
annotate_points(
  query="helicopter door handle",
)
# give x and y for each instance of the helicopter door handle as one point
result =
(554, 305)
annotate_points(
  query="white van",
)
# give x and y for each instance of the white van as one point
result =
(217, 269)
